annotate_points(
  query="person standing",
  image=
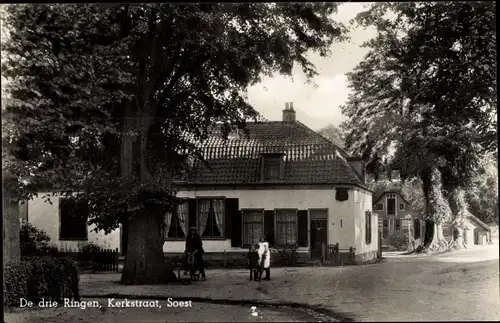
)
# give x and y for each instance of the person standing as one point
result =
(265, 257)
(195, 244)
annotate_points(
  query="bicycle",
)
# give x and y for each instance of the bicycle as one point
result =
(189, 266)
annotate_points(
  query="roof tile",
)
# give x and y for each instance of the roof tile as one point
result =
(308, 157)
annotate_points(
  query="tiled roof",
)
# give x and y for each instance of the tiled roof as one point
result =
(309, 158)
(479, 222)
(390, 187)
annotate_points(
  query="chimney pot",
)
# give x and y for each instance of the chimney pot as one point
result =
(289, 113)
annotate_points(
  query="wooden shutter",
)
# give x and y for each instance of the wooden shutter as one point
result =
(192, 205)
(302, 228)
(269, 226)
(233, 222)
(73, 219)
(368, 226)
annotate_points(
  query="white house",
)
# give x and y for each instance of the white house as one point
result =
(280, 180)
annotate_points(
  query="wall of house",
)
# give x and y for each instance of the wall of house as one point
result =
(45, 216)
(270, 199)
(363, 250)
(399, 213)
(468, 233)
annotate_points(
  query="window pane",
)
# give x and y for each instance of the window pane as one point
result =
(272, 167)
(253, 228)
(286, 227)
(211, 218)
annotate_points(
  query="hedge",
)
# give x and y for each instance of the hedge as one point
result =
(50, 278)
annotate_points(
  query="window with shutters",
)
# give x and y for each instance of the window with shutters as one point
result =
(210, 217)
(253, 226)
(272, 167)
(286, 227)
(73, 216)
(368, 226)
(176, 223)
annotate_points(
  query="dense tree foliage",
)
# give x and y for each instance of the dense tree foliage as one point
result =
(110, 98)
(334, 134)
(426, 91)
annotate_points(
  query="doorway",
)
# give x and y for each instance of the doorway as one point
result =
(318, 232)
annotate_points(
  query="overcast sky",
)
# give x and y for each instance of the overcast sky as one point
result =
(316, 106)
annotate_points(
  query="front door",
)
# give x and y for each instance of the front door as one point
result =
(391, 206)
(318, 233)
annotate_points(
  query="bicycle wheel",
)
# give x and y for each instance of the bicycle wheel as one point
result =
(195, 272)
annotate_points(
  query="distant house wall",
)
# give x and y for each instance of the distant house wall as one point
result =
(45, 216)
(340, 222)
(391, 220)
(399, 200)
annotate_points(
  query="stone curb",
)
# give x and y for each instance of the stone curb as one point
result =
(314, 310)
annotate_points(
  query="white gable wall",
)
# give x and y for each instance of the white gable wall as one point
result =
(45, 216)
(364, 203)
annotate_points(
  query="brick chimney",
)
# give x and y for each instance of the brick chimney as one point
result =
(289, 113)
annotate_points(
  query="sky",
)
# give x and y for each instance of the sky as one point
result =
(316, 106)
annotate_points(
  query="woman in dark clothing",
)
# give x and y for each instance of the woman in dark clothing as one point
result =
(194, 243)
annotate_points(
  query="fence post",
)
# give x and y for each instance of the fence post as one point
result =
(351, 254)
(322, 253)
(225, 259)
(116, 259)
(380, 244)
(336, 254)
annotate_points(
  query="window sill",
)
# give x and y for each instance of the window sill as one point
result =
(74, 239)
(214, 238)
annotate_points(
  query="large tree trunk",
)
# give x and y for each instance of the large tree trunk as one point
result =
(433, 236)
(429, 222)
(11, 228)
(434, 240)
(459, 208)
(145, 262)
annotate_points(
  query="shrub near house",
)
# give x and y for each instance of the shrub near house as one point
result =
(37, 277)
(32, 239)
(398, 240)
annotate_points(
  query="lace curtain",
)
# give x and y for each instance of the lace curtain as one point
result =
(182, 215)
(204, 207)
(218, 207)
(286, 228)
(253, 228)
(166, 224)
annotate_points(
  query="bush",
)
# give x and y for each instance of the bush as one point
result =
(16, 278)
(286, 256)
(41, 277)
(90, 247)
(32, 239)
(398, 240)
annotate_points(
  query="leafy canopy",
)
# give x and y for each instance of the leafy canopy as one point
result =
(108, 98)
(426, 90)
